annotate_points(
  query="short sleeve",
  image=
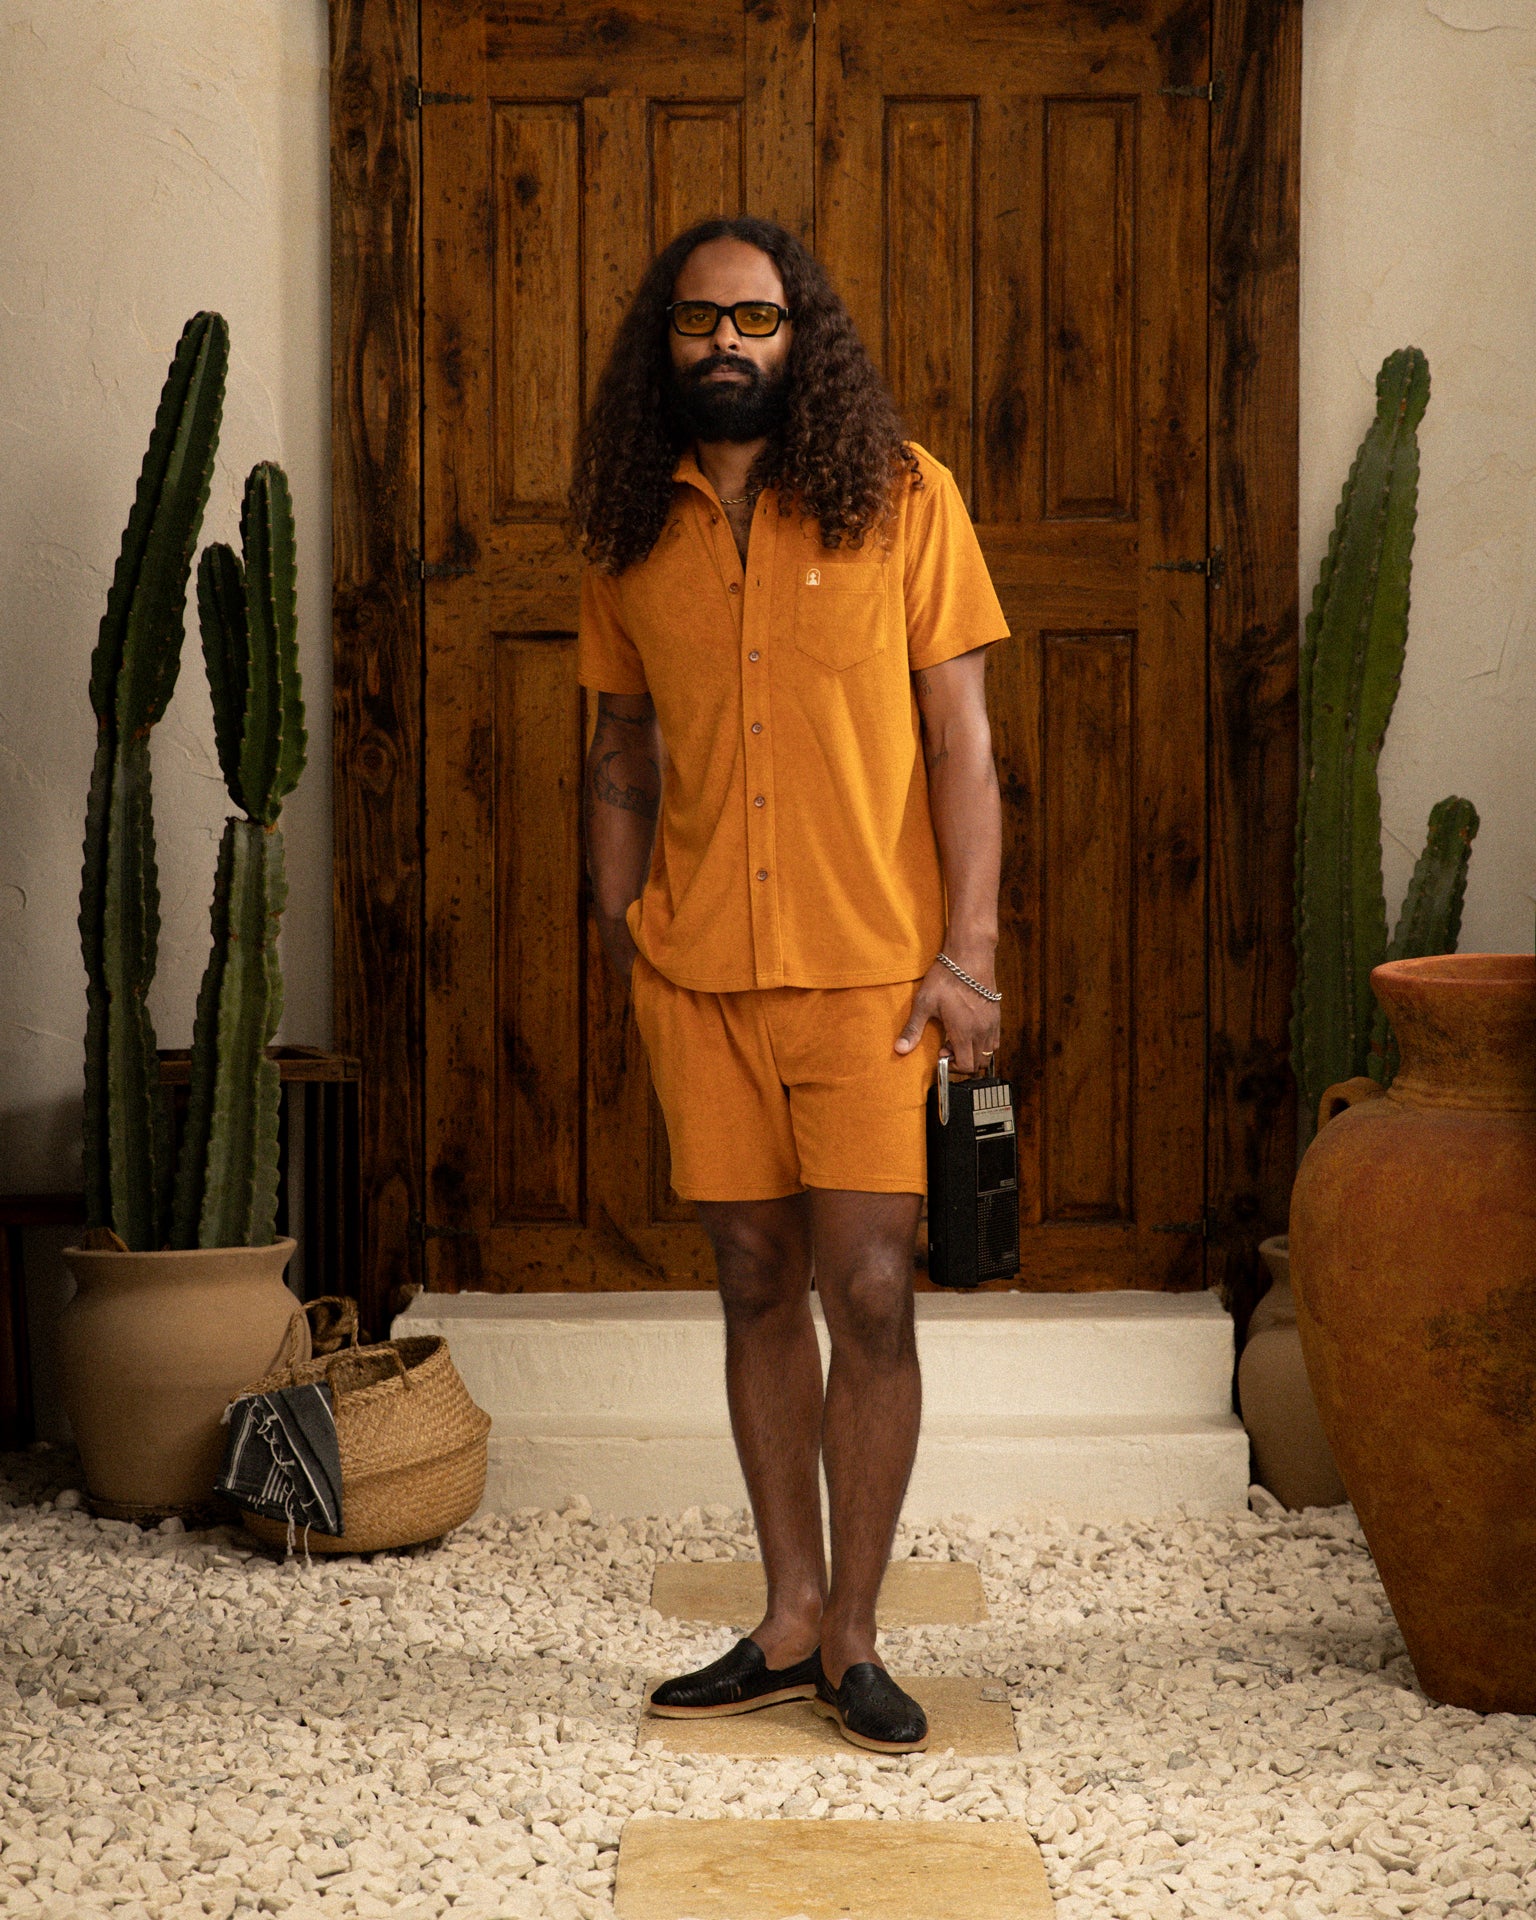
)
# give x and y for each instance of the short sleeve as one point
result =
(952, 606)
(607, 660)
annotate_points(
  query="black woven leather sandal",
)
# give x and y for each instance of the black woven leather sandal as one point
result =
(740, 1681)
(871, 1710)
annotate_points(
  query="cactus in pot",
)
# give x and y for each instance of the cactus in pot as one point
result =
(1351, 666)
(180, 1300)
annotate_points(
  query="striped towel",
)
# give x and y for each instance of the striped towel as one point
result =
(283, 1459)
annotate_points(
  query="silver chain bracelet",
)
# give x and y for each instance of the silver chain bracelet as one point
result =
(974, 985)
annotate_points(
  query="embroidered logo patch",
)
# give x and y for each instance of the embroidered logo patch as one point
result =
(813, 578)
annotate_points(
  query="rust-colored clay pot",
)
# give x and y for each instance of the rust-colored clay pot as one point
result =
(1413, 1259)
(152, 1349)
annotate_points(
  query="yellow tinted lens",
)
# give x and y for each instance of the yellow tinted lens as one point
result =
(695, 316)
(757, 320)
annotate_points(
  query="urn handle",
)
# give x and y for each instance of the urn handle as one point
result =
(1348, 1093)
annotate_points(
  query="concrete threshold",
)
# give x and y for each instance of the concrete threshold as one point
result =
(1100, 1405)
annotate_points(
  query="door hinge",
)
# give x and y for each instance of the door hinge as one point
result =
(422, 1229)
(1214, 90)
(1213, 566)
(1202, 1226)
(439, 570)
(417, 96)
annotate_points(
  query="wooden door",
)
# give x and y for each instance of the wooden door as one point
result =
(1015, 211)
(1013, 204)
(561, 147)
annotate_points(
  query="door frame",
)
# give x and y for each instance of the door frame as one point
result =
(377, 614)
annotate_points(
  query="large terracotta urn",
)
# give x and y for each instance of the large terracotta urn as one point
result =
(1413, 1259)
(151, 1350)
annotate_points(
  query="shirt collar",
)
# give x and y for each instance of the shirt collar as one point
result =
(689, 473)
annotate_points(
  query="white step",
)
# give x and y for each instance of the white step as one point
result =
(1101, 1405)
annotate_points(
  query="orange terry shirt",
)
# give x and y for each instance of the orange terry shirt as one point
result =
(794, 847)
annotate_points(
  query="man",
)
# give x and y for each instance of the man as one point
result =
(784, 618)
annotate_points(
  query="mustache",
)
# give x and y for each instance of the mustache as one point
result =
(735, 362)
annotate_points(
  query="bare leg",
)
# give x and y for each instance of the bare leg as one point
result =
(863, 1247)
(773, 1382)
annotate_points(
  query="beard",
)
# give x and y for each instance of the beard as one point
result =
(719, 410)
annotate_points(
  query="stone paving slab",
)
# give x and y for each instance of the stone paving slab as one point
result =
(961, 1717)
(830, 1870)
(732, 1593)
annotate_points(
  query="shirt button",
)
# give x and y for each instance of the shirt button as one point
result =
(757, 726)
(733, 588)
(754, 655)
(714, 519)
(760, 801)
(762, 873)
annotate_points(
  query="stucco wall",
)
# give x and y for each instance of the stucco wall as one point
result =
(158, 156)
(1418, 185)
(165, 155)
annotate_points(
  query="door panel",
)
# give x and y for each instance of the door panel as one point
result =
(1015, 213)
(547, 187)
(1034, 277)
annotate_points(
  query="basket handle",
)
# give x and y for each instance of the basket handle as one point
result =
(291, 1352)
(332, 1319)
(346, 1354)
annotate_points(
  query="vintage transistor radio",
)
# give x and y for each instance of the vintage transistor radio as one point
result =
(973, 1181)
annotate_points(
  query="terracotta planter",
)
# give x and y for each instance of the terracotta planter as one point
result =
(1290, 1450)
(1413, 1255)
(151, 1350)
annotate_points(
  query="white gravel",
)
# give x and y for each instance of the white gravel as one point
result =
(1216, 1716)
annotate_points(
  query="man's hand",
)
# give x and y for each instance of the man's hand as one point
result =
(618, 945)
(971, 1026)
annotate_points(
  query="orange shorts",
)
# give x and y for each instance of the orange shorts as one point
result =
(776, 1089)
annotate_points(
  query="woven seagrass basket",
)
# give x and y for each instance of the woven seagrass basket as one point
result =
(412, 1442)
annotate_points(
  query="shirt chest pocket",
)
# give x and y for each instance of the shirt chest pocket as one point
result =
(840, 613)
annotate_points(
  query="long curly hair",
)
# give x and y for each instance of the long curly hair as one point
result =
(837, 457)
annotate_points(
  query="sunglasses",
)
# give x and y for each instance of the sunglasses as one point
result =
(752, 319)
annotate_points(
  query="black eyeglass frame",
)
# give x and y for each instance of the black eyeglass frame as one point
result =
(782, 312)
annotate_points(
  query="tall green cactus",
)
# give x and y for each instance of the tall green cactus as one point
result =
(226, 1189)
(1351, 666)
(133, 674)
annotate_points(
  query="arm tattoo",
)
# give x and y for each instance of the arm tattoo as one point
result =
(622, 770)
(629, 798)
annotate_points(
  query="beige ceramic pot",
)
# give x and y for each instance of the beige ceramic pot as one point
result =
(1291, 1455)
(1413, 1256)
(151, 1350)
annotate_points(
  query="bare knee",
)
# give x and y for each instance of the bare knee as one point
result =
(869, 1311)
(763, 1266)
